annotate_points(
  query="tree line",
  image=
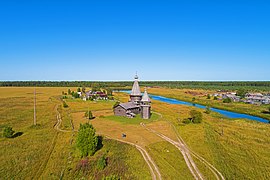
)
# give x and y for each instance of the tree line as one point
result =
(224, 85)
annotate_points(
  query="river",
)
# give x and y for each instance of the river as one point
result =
(225, 113)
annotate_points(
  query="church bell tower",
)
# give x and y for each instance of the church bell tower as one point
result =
(145, 106)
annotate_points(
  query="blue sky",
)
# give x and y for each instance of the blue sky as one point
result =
(111, 40)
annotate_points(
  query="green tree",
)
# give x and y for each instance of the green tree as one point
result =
(241, 93)
(207, 110)
(88, 115)
(109, 92)
(69, 91)
(79, 90)
(75, 94)
(215, 98)
(193, 99)
(83, 89)
(95, 87)
(8, 132)
(208, 96)
(196, 116)
(227, 100)
(87, 140)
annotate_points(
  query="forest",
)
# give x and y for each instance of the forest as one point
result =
(215, 85)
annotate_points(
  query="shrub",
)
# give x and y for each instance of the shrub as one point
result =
(215, 98)
(8, 132)
(196, 116)
(208, 96)
(227, 100)
(110, 97)
(101, 163)
(65, 104)
(88, 115)
(193, 99)
(207, 110)
(82, 164)
(186, 121)
(111, 177)
(87, 141)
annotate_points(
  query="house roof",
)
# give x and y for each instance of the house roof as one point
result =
(145, 97)
(128, 105)
(136, 88)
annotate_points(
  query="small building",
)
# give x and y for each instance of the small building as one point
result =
(128, 109)
(96, 95)
(233, 97)
(257, 98)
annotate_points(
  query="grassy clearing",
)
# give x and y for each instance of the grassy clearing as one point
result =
(135, 120)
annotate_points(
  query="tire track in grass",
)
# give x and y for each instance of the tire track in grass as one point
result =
(187, 157)
(151, 164)
(216, 172)
(45, 162)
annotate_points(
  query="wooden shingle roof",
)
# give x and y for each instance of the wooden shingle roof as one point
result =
(128, 105)
(136, 88)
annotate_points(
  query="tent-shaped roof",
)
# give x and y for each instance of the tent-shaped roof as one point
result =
(145, 97)
(136, 88)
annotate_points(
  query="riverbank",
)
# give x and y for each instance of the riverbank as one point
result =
(180, 94)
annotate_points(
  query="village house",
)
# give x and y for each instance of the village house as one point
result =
(257, 98)
(250, 98)
(137, 104)
(232, 96)
(94, 95)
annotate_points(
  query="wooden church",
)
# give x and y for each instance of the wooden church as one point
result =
(138, 103)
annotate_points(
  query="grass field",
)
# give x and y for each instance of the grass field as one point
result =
(238, 148)
(201, 98)
(241, 152)
(42, 152)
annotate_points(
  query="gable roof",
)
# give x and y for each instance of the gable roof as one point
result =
(128, 105)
